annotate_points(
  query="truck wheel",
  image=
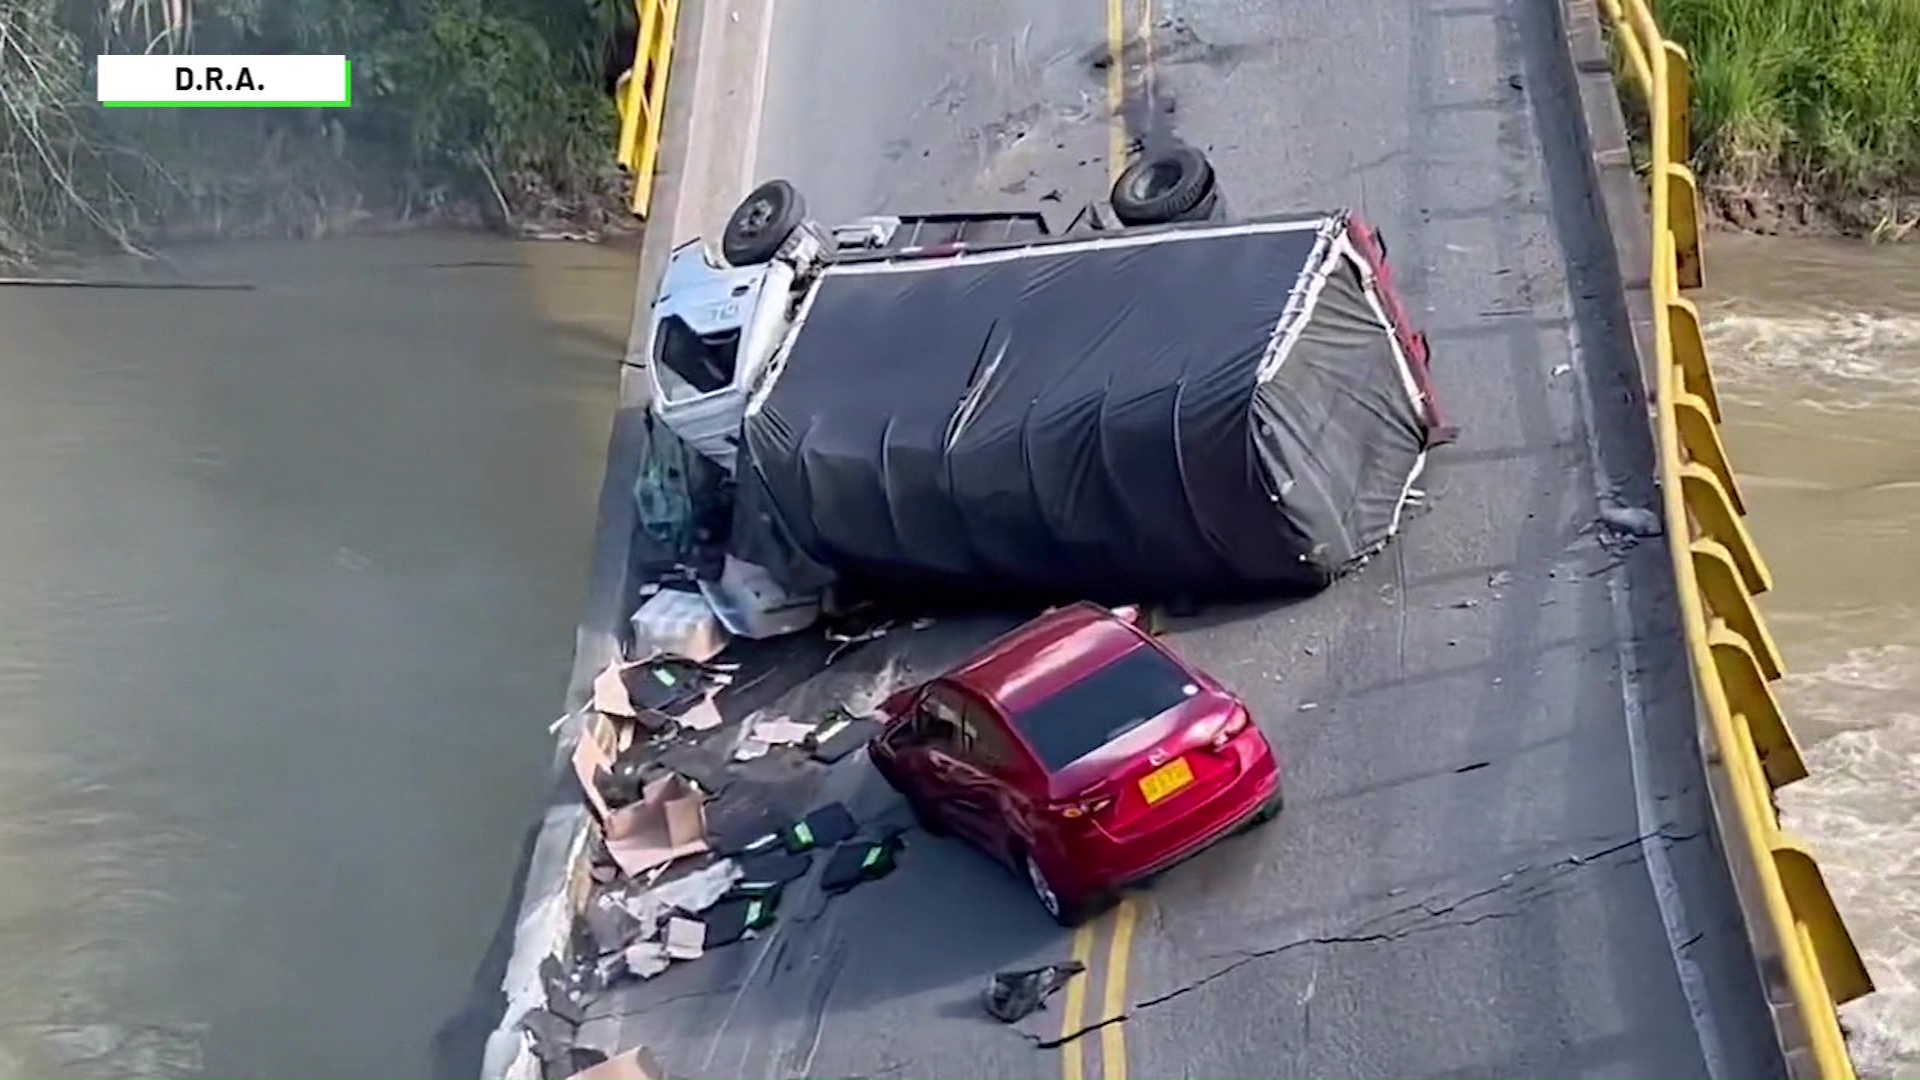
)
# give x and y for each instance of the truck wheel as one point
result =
(761, 223)
(1165, 186)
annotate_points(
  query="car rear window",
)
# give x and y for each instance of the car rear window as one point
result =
(1106, 704)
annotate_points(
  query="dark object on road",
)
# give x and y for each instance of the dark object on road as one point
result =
(846, 641)
(741, 829)
(584, 1058)
(611, 925)
(1176, 184)
(766, 871)
(552, 1036)
(1013, 995)
(665, 684)
(1081, 752)
(1198, 409)
(840, 734)
(862, 860)
(824, 827)
(730, 919)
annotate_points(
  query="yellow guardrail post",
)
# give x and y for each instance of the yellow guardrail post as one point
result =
(641, 97)
(1718, 570)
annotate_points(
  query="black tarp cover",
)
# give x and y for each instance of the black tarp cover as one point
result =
(1085, 419)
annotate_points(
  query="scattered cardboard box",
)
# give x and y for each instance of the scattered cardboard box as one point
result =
(589, 757)
(610, 692)
(686, 938)
(634, 1064)
(669, 822)
(700, 716)
(781, 731)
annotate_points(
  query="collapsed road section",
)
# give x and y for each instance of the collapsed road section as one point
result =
(1495, 859)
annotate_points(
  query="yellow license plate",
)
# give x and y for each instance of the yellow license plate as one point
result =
(1166, 780)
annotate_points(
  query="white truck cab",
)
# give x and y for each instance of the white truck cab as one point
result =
(715, 330)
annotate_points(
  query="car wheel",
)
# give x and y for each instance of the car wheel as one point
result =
(761, 223)
(1169, 185)
(927, 818)
(1066, 912)
(1269, 809)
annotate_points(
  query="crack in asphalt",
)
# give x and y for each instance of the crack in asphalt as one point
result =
(1432, 918)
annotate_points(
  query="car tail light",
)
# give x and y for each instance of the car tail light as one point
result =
(1085, 806)
(1235, 723)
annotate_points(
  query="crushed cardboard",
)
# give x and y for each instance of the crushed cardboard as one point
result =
(634, 1064)
(700, 716)
(781, 731)
(686, 938)
(610, 696)
(589, 757)
(690, 893)
(669, 822)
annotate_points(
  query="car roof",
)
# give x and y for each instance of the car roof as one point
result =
(1044, 656)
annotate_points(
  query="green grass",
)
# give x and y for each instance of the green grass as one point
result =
(1823, 94)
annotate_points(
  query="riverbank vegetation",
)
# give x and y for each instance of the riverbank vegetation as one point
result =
(1806, 112)
(464, 111)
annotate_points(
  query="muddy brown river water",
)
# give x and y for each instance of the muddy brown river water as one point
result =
(1816, 349)
(288, 580)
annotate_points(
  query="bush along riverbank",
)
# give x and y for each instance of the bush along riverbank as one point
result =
(1806, 113)
(465, 112)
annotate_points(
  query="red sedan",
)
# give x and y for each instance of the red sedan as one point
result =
(1082, 753)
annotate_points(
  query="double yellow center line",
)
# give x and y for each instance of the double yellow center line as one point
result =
(1111, 979)
(1118, 75)
(1112, 976)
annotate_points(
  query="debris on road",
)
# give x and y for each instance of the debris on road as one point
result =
(824, 827)
(686, 938)
(767, 871)
(862, 860)
(634, 1064)
(1637, 522)
(669, 822)
(781, 731)
(844, 642)
(1013, 995)
(678, 623)
(730, 920)
(840, 734)
(645, 959)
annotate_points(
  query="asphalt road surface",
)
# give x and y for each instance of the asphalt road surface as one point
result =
(1494, 860)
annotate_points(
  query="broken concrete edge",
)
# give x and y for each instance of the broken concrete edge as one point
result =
(557, 881)
(1623, 206)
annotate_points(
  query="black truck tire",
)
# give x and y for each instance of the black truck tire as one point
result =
(761, 223)
(1168, 185)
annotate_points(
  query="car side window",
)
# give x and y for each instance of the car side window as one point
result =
(985, 738)
(939, 721)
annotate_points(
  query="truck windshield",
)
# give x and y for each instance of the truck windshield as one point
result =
(704, 363)
(1102, 706)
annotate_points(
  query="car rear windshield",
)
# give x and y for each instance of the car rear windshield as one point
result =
(1106, 704)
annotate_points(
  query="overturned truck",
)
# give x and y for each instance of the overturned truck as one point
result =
(1152, 402)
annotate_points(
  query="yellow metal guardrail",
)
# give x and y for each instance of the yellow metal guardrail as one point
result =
(1718, 571)
(641, 96)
